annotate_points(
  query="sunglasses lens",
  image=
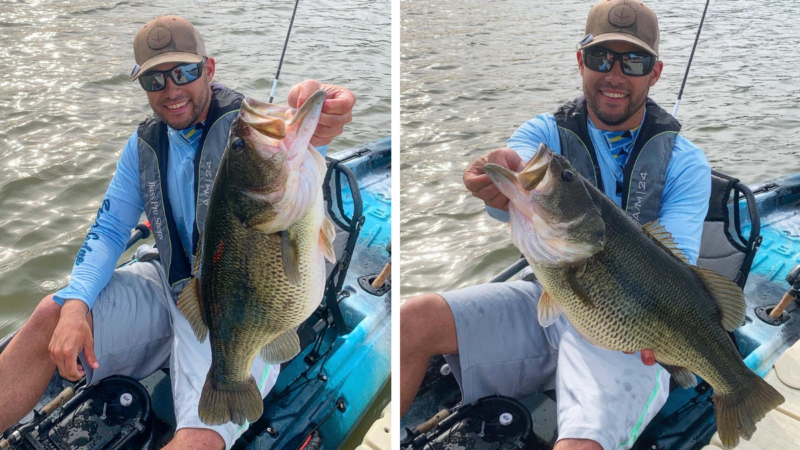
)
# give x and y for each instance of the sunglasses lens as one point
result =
(636, 64)
(598, 59)
(153, 82)
(185, 73)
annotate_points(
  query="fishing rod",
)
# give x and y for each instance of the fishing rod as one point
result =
(686, 75)
(283, 53)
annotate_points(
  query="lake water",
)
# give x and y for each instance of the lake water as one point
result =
(473, 71)
(67, 107)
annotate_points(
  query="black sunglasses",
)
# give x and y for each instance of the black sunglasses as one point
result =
(635, 64)
(156, 80)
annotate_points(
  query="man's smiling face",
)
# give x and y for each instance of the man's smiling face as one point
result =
(181, 107)
(615, 99)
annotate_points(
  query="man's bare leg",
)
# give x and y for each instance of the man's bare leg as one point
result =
(25, 365)
(196, 439)
(427, 328)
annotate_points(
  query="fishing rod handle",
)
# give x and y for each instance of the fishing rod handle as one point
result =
(56, 403)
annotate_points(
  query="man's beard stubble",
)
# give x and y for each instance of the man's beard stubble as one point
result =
(618, 119)
(197, 110)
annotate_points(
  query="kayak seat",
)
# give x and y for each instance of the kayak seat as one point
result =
(723, 247)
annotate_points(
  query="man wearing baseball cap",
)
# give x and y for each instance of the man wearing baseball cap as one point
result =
(631, 149)
(125, 321)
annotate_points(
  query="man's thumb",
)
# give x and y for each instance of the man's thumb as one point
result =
(88, 351)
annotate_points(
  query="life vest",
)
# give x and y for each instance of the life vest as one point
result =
(153, 157)
(645, 172)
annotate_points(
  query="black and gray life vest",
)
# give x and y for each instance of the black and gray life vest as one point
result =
(153, 157)
(644, 173)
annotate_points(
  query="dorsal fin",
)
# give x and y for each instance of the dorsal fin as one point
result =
(663, 237)
(728, 296)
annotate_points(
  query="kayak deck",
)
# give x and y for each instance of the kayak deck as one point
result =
(338, 375)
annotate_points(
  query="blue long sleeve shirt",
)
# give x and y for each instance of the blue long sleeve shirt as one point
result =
(684, 201)
(123, 207)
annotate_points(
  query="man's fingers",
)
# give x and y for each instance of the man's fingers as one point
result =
(338, 100)
(648, 357)
(476, 182)
(335, 121)
(299, 93)
(499, 202)
(505, 157)
(88, 351)
(487, 193)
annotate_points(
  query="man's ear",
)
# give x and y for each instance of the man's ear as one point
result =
(210, 68)
(580, 62)
(656, 74)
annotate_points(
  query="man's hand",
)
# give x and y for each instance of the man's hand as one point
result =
(648, 358)
(72, 335)
(337, 110)
(476, 180)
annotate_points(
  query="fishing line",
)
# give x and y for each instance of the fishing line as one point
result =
(283, 53)
(686, 75)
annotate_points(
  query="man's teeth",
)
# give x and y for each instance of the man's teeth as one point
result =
(178, 105)
(613, 94)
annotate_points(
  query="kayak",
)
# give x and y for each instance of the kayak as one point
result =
(753, 237)
(320, 396)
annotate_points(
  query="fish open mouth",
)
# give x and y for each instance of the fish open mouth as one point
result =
(536, 169)
(274, 121)
(532, 176)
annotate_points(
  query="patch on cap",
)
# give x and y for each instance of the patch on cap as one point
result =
(159, 37)
(622, 15)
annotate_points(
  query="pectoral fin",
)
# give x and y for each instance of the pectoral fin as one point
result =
(281, 349)
(190, 305)
(572, 279)
(326, 236)
(548, 310)
(290, 256)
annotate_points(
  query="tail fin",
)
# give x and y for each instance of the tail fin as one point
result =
(737, 413)
(235, 402)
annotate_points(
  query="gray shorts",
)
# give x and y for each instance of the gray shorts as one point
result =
(138, 329)
(606, 396)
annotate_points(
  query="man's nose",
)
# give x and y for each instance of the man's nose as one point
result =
(171, 87)
(615, 75)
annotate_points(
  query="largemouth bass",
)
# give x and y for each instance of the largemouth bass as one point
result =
(260, 270)
(626, 287)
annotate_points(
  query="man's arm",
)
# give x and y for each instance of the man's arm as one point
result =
(94, 265)
(684, 201)
(118, 214)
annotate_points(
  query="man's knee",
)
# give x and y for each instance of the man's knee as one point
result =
(427, 326)
(197, 439)
(45, 317)
(577, 444)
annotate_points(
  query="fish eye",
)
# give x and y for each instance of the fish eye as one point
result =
(567, 175)
(237, 145)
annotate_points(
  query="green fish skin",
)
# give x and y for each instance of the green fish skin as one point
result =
(626, 287)
(260, 271)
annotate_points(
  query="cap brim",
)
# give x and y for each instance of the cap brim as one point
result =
(168, 57)
(619, 37)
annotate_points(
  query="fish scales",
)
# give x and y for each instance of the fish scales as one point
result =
(260, 271)
(629, 311)
(626, 287)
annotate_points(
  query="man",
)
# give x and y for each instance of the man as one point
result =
(126, 321)
(630, 148)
